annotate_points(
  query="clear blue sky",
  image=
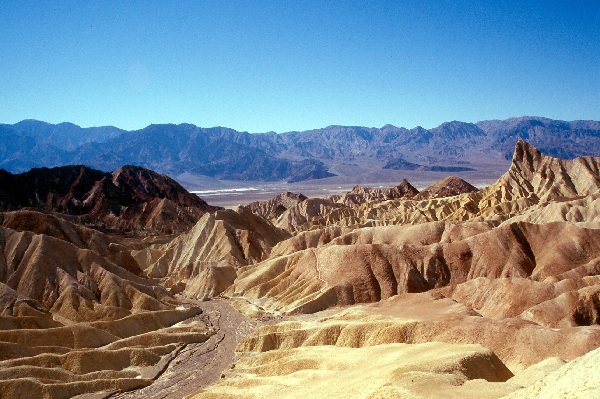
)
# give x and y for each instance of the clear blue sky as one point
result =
(295, 65)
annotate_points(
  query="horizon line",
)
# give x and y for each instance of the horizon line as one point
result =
(533, 117)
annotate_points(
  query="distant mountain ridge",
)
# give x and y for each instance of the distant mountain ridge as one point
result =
(225, 153)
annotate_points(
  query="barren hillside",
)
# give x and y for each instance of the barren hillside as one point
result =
(125, 285)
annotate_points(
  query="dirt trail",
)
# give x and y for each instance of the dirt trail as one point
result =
(198, 365)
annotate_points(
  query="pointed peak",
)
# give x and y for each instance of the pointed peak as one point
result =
(526, 153)
(409, 188)
(447, 187)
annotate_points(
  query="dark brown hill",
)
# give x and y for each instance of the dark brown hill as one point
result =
(447, 187)
(129, 199)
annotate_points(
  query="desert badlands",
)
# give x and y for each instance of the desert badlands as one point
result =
(125, 285)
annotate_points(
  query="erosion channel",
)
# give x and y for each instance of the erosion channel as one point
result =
(195, 366)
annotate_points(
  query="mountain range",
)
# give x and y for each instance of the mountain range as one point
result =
(224, 153)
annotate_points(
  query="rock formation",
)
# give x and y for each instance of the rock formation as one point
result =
(360, 195)
(128, 199)
(386, 371)
(202, 262)
(371, 264)
(415, 345)
(299, 215)
(74, 315)
(533, 181)
(80, 236)
(577, 379)
(274, 207)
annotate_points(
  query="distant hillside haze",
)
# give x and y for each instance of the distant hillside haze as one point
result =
(227, 154)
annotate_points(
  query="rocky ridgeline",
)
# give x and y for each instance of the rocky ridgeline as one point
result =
(130, 199)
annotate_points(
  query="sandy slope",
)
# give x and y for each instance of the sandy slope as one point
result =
(578, 379)
(382, 371)
(411, 346)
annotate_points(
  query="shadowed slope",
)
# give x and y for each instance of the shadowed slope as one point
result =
(130, 198)
(371, 264)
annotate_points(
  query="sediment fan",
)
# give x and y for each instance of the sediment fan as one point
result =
(451, 292)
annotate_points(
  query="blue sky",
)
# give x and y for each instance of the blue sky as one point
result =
(295, 65)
